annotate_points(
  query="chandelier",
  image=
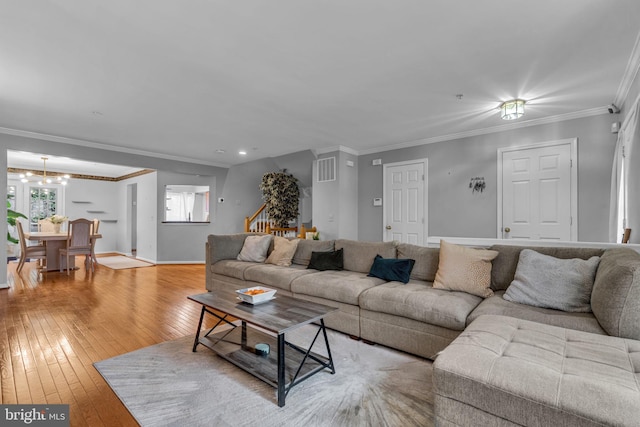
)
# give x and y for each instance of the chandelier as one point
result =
(44, 179)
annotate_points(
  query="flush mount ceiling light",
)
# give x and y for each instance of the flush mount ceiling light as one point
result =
(44, 179)
(511, 110)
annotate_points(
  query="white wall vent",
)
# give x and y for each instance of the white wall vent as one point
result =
(326, 169)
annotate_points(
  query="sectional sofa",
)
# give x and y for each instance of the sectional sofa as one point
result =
(417, 318)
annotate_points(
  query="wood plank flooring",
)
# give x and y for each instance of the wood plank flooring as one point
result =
(53, 327)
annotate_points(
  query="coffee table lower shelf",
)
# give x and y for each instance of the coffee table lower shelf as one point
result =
(237, 345)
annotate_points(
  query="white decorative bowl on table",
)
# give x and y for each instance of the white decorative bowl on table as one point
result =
(256, 294)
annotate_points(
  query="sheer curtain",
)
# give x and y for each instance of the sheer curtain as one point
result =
(624, 209)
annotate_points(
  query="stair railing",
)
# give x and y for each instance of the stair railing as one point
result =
(259, 222)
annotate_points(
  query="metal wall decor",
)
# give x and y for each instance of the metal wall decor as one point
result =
(477, 184)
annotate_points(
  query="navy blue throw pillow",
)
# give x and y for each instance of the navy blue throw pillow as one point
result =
(392, 269)
(332, 260)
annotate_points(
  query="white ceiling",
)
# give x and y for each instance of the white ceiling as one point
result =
(186, 78)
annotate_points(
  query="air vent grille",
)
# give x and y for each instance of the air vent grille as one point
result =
(327, 169)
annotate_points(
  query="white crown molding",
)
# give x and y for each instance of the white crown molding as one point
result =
(494, 129)
(85, 143)
(342, 148)
(629, 76)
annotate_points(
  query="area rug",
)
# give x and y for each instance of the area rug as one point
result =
(169, 385)
(119, 262)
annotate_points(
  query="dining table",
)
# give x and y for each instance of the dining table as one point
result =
(53, 242)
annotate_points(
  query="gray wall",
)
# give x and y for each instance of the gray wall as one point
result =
(179, 242)
(242, 195)
(335, 203)
(455, 212)
(348, 196)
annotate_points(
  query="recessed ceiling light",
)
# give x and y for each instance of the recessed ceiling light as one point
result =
(242, 153)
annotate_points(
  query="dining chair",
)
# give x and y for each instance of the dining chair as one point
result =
(35, 251)
(78, 242)
(45, 225)
(96, 227)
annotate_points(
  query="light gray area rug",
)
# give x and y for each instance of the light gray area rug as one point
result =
(119, 262)
(168, 384)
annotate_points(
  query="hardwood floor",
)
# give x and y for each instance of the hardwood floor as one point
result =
(54, 327)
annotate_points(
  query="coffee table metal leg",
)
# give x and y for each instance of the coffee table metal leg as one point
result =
(243, 339)
(197, 340)
(326, 342)
(281, 359)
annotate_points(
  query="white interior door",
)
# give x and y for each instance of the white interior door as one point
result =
(405, 202)
(539, 192)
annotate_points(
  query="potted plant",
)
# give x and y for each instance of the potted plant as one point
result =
(12, 217)
(281, 196)
(57, 221)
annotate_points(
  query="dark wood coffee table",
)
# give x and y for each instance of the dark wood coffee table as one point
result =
(265, 323)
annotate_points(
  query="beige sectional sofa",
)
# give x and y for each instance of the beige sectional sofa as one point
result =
(417, 318)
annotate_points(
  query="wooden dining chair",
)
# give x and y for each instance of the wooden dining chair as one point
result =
(96, 227)
(78, 242)
(28, 252)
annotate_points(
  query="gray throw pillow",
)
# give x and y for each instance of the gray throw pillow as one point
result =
(548, 282)
(255, 248)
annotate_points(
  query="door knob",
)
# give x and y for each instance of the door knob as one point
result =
(388, 227)
(507, 229)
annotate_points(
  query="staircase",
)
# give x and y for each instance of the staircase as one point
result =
(259, 222)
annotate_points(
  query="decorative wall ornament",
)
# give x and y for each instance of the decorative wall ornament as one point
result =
(281, 195)
(477, 184)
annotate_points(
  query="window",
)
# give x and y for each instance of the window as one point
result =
(43, 202)
(186, 203)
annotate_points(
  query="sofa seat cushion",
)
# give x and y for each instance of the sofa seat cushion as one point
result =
(275, 275)
(497, 305)
(233, 268)
(419, 301)
(534, 374)
(342, 286)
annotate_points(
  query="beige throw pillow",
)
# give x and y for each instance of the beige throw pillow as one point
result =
(255, 248)
(464, 269)
(283, 250)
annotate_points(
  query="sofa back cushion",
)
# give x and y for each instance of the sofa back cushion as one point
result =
(615, 299)
(426, 260)
(225, 246)
(305, 247)
(505, 264)
(359, 256)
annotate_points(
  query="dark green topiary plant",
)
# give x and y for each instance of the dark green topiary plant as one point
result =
(281, 196)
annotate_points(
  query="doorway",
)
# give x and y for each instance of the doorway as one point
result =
(537, 194)
(405, 202)
(132, 217)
